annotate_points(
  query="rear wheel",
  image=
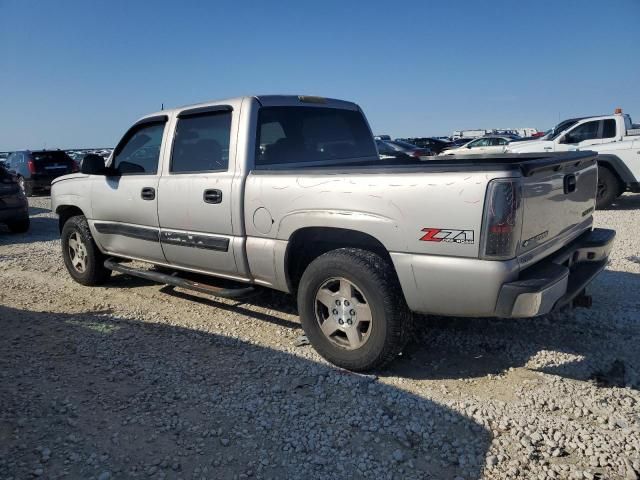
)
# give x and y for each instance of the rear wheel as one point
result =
(352, 309)
(19, 226)
(609, 188)
(83, 259)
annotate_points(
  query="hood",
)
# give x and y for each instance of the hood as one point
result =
(529, 146)
(70, 176)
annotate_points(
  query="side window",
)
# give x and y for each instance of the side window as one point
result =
(139, 151)
(482, 142)
(201, 143)
(608, 128)
(586, 131)
(499, 141)
(383, 148)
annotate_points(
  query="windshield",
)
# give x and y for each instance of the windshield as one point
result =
(403, 145)
(561, 127)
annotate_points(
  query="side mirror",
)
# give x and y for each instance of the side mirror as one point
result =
(93, 164)
(566, 139)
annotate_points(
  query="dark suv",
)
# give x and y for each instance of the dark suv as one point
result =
(14, 209)
(36, 169)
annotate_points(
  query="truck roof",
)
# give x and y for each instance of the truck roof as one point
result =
(267, 101)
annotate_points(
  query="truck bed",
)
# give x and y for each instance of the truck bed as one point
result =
(526, 163)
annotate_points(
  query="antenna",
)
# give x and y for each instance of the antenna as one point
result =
(162, 106)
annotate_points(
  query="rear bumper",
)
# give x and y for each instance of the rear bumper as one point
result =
(470, 287)
(558, 279)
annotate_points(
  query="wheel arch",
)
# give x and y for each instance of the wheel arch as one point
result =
(618, 168)
(65, 212)
(308, 243)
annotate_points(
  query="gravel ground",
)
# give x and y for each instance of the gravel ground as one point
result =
(134, 380)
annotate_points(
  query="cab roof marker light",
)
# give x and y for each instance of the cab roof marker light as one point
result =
(311, 99)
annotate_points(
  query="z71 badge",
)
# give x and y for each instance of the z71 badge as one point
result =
(449, 235)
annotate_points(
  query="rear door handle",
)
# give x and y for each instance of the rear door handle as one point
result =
(148, 193)
(212, 195)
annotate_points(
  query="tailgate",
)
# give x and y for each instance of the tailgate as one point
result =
(52, 164)
(558, 203)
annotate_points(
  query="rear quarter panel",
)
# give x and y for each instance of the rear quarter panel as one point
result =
(392, 207)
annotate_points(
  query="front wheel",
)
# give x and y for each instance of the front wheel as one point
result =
(83, 259)
(352, 309)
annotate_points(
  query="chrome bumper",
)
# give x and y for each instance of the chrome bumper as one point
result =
(558, 279)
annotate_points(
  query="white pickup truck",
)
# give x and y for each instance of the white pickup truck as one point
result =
(289, 193)
(613, 137)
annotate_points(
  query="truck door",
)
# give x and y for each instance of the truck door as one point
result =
(125, 204)
(195, 203)
(581, 136)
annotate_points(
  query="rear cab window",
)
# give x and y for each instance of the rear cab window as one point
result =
(311, 136)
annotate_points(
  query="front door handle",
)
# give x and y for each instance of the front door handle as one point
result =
(148, 193)
(212, 195)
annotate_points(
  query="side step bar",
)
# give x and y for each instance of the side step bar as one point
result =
(232, 293)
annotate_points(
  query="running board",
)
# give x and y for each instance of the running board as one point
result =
(175, 281)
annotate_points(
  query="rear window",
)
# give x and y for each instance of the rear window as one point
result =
(311, 135)
(55, 156)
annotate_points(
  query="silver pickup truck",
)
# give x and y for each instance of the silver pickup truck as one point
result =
(289, 192)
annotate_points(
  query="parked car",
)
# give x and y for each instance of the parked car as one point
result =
(615, 140)
(481, 146)
(36, 169)
(3, 158)
(395, 147)
(288, 192)
(14, 209)
(458, 142)
(435, 145)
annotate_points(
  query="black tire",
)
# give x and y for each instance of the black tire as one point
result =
(19, 226)
(375, 278)
(609, 188)
(94, 271)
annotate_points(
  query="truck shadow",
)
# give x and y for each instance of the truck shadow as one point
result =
(570, 344)
(137, 398)
(598, 345)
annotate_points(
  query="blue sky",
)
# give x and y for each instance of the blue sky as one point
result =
(77, 73)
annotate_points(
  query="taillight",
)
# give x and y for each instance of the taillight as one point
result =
(31, 166)
(502, 222)
(74, 166)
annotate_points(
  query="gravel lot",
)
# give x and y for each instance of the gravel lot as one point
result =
(136, 380)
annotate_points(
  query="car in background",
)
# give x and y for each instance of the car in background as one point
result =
(14, 208)
(35, 170)
(3, 158)
(434, 144)
(396, 148)
(481, 146)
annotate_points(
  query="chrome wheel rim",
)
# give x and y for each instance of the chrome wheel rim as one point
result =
(343, 313)
(77, 252)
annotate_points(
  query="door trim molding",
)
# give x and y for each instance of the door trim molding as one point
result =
(151, 234)
(203, 241)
